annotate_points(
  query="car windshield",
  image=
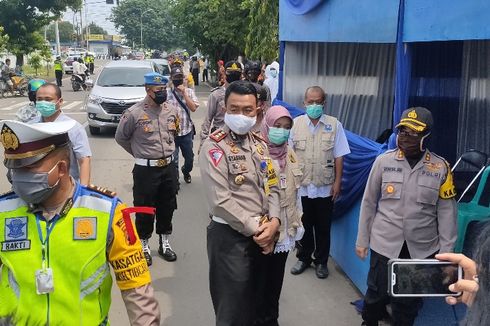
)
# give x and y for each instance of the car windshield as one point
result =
(164, 70)
(123, 77)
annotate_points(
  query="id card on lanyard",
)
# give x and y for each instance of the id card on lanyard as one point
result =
(44, 275)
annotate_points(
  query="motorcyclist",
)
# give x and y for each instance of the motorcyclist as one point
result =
(6, 72)
(29, 112)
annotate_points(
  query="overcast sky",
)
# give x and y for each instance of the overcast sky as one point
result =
(97, 11)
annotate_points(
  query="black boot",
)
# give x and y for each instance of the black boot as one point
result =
(164, 249)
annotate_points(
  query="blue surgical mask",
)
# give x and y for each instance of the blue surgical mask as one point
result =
(46, 108)
(278, 136)
(314, 111)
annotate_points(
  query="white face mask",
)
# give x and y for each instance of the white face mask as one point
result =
(240, 124)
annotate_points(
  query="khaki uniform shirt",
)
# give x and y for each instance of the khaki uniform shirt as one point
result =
(233, 168)
(147, 130)
(216, 112)
(404, 204)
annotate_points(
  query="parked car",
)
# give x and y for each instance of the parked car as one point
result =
(163, 67)
(119, 86)
(68, 64)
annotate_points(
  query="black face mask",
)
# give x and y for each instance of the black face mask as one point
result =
(160, 97)
(253, 76)
(177, 82)
(234, 76)
(410, 146)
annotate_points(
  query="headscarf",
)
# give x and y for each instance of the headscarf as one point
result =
(277, 152)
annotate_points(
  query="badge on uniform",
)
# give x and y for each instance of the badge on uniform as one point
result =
(282, 181)
(44, 281)
(216, 156)
(260, 149)
(16, 234)
(85, 228)
(239, 179)
(328, 127)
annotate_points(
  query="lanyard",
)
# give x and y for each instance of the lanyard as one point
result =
(49, 228)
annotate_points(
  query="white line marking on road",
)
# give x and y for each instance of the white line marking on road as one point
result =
(71, 105)
(13, 107)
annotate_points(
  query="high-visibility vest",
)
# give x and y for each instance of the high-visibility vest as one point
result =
(76, 252)
(58, 65)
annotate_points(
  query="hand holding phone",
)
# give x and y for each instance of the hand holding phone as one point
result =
(468, 285)
(422, 277)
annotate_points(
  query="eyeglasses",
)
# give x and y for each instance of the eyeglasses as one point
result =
(409, 133)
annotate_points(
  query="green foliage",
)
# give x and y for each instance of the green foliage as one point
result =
(35, 62)
(66, 32)
(262, 41)
(3, 39)
(93, 28)
(160, 30)
(23, 19)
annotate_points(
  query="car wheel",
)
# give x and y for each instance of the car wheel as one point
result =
(94, 130)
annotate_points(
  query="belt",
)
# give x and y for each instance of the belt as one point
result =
(162, 162)
(259, 219)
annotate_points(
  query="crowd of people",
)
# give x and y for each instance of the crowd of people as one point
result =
(272, 182)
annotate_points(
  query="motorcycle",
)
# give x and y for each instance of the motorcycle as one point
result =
(77, 82)
(19, 86)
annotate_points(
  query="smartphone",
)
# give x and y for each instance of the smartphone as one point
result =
(422, 277)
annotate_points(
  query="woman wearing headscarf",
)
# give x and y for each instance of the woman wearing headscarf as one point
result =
(275, 130)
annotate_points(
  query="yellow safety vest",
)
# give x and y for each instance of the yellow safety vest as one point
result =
(75, 251)
(58, 65)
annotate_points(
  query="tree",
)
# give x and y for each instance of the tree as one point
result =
(94, 29)
(35, 62)
(262, 41)
(3, 39)
(160, 31)
(66, 31)
(23, 19)
(217, 27)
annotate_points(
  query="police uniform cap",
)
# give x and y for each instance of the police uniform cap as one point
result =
(25, 144)
(253, 65)
(176, 71)
(417, 118)
(155, 79)
(233, 66)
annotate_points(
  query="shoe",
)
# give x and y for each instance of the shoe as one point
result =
(321, 271)
(146, 251)
(165, 250)
(187, 176)
(299, 267)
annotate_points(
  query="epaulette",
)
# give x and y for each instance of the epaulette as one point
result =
(391, 150)
(216, 88)
(102, 190)
(258, 135)
(218, 135)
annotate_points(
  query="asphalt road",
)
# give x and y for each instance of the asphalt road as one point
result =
(182, 286)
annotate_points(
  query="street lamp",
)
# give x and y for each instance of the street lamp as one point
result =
(141, 26)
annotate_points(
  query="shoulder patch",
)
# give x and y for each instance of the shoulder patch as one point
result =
(218, 135)
(102, 190)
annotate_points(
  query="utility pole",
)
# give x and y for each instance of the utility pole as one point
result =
(57, 35)
(87, 32)
(81, 29)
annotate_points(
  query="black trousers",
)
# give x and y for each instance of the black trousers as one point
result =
(404, 310)
(233, 275)
(59, 76)
(271, 276)
(195, 76)
(317, 221)
(155, 187)
(205, 75)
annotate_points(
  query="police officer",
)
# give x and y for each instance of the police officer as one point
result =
(58, 71)
(408, 211)
(58, 239)
(252, 72)
(147, 131)
(235, 164)
(214, 118)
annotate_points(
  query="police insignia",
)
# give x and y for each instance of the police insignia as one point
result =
(412, 114)
(390, 189)
(85, 228)
(328, 127)
(216, 156)
(8, 138)
(16, 228)
(447, 189)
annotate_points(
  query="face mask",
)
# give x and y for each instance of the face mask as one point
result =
(253, 76)
(177, 82)
(230, 78)
(240, 124)
(314, 111)
(412, 147)
(160, 97)
(32, 187)
(273, 73)
(46, 108)
(278, 136)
